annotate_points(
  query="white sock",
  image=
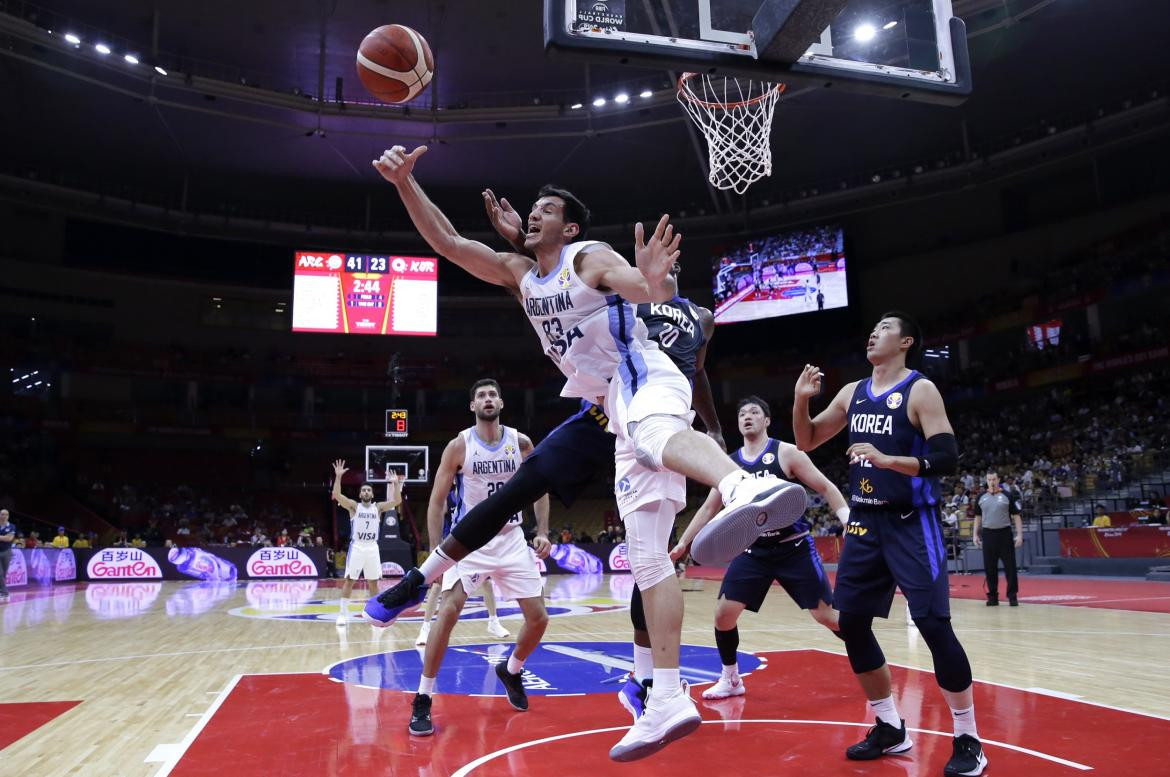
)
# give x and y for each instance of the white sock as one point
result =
(343, 605)
(435, 565)
(643, 663)
(886, 711)
(426, 685)
(514, 664)
(666, 683)
(729, 482)
(731, 670)
(964, 721)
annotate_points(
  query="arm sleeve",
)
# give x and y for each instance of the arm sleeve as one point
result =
(942, 456)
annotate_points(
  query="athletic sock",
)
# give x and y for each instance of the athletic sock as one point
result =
(435, 565)
(965, 721)
(729, 482)
(728, 644)
(343, 605)
(426, 685)
(667, 683)
(886, 711)
(643, 663)
(514, 664)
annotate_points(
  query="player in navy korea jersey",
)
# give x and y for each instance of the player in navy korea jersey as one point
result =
(900, 440)
(787, 556)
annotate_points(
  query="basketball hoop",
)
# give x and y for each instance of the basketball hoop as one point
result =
(735, 115)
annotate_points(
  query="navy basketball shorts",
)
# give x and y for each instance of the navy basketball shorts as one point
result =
(574, 453)
(796, 565)
(885, 549)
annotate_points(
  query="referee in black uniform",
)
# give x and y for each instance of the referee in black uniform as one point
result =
(993, 533)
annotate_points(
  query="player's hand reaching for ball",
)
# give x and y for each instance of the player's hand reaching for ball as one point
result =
(396, 165)
(808, 385)
(339, 467)
(541, 546)
(505, 220)
(655, 257)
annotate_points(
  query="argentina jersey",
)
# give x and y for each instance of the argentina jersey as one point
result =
(675, 326)
(763, 465)
(883, 421)
(485, 469)
(363, 529)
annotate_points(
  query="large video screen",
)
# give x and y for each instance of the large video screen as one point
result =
(365, 294)
(798, 271)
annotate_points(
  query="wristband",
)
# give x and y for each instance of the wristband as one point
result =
(843, 514)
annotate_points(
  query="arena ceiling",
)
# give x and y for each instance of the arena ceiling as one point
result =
(502, 120)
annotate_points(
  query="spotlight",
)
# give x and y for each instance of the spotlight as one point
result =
(72, 38)
(621, 98)
(131, 59)
(877, 178)
(600, 101)
(889, 25)
(102, 49)
(646, 94)
(574, 106)
(864, 32)
(159, 70)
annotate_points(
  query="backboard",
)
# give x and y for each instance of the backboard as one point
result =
(409, 461)
(909, 49)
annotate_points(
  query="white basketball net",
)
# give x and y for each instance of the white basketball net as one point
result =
(736, 117)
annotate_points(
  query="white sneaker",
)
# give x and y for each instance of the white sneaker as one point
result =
(496, 629)
(423, 633)
(727, 686)
(665, 720)
(757, 505)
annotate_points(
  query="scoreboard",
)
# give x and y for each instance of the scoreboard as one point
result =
(370, 294)
(397, 423)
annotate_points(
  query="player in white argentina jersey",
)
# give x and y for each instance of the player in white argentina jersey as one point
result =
(363, 556)
(479, 461)
(580, 298)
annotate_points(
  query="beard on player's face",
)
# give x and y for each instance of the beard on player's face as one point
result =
(366, 495)
(488, 414)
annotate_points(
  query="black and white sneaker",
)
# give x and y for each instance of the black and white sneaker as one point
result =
(420, 716)
(757, 505)
(517, 696)
(967, 758)
(882, 739)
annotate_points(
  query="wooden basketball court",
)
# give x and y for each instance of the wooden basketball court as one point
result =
(160, 678)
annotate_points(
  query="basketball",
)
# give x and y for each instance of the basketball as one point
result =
(394, 63)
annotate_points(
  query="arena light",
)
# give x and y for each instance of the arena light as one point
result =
(575, 106)
(646, 94)
(889, 25)
(71, 38)
(598, 102)
(621, 98)
(159, 70)
(102, 49)
(864, 32)
(130, 59)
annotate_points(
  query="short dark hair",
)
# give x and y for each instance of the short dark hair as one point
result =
(484, 382)
(909, 328)
(752, 399)
(575, 211)
(366, 483)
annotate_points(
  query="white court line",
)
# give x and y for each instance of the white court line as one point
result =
(181, 748)
(1018, 688)
(467, 769)
(1057, 694)
(160, 753)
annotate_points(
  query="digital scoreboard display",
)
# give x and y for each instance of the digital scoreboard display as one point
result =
(365, 294)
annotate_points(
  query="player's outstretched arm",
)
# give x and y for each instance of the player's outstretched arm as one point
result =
(809, 432)
(441, 486)
(395, 496)
(702, 517)
(396, 166)
(507, 222)
(701, 397)
(650, 281)
(341, 499)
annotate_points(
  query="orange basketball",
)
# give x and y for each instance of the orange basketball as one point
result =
(394, 63)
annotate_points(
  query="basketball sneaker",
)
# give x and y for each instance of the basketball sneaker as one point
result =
(881, 739)
(517, 696)
(420, 716)
(410, 591)
(496, 629)
(728, 685)
(423, 633)
(757, 505)
(633, 695)
(664, 721)
(967, 758)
